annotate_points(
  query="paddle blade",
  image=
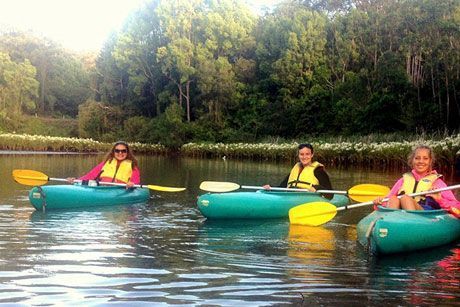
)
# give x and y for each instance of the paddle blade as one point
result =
(312, 214)
(216, 186)
(164, 189)
(367, 192)
(455, 212)
(29, 177)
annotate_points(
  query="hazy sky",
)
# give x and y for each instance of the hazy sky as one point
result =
(76, 24)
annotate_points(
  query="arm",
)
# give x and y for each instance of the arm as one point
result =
(92, 174)
(135, 176)
(284, 183)
(393, 192)
(323, 178)
(324, 181)
(446, 199)
(395, 189)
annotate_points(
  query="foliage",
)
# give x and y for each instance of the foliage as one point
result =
(169, 128)
(48, 126)
(339, 153)
(11, 141)
(99, 121)
(62, 78)
(181, 71)
(18, 87)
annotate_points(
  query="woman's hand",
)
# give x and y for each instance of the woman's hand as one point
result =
(129, 184)
(266, 187)
(435, 196)
(377, 201)
(70, 179)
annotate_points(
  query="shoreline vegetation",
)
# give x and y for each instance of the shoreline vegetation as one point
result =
(362, 152)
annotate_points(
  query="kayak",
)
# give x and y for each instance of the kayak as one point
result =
(80, 196)
(258, 205)
(389, 231)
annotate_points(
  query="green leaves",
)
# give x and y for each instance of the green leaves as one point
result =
(18, 86)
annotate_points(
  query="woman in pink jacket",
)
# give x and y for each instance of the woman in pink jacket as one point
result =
(421, 178)
(119, 166)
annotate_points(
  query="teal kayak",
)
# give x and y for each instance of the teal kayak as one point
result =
(80, 196)
(258, 205)
(389, 231)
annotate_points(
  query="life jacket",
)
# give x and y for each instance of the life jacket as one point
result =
(111, 173)
(304, 179)
(410, 185)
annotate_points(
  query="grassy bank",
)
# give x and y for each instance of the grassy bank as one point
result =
(340, 153)
(27, 142)
(364, 151)
(38, 125)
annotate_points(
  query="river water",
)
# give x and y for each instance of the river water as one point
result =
(166, 253)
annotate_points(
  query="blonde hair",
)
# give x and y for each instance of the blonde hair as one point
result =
(411, 156)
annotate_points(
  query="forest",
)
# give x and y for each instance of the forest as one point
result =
(214, 71)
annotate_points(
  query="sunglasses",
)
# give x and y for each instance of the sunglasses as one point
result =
(120, 150)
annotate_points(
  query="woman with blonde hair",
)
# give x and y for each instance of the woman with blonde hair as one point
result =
(421, 178)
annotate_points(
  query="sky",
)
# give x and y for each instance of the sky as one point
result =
(79, 25)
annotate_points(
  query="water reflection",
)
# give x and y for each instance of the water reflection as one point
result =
(427, 276)
(307, 242)
(243, 236)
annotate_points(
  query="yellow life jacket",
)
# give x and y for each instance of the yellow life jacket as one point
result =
(410, 185)
(122, 173)
(304, 179)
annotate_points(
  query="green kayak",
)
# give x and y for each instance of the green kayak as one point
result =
(258, 205)
(80, 196)
(389, 231)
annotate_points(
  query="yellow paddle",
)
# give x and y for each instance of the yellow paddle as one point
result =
(318, 213)
(34, 178)
(360, 192)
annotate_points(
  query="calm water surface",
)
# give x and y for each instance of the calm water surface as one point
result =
(166, 253)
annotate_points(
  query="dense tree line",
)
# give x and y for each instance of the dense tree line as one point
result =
(212, 70)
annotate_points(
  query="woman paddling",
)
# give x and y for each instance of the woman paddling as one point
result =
(119, 166)
(307, 174)
(421, 178)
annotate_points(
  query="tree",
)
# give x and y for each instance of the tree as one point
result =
(291, 50)
(178, 19)
(64, 83)
(18, 87)
(99, 121)
(135, 52)
(223, 57)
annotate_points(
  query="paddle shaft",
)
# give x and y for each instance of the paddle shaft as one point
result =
(453, 187)
(101, 182)
(294, 190)
(31, 177)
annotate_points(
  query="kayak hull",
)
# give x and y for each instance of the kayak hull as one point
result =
(80, 196)
(390, 231)
(258, 205)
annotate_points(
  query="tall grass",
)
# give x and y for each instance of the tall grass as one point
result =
(28, 142)
(364, 151)
(361, 151)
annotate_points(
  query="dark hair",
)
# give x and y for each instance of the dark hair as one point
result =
(305, 145)
(110, 155)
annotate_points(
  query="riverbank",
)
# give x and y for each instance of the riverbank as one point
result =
(365, 154)
(28, 142)
(343, 153)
